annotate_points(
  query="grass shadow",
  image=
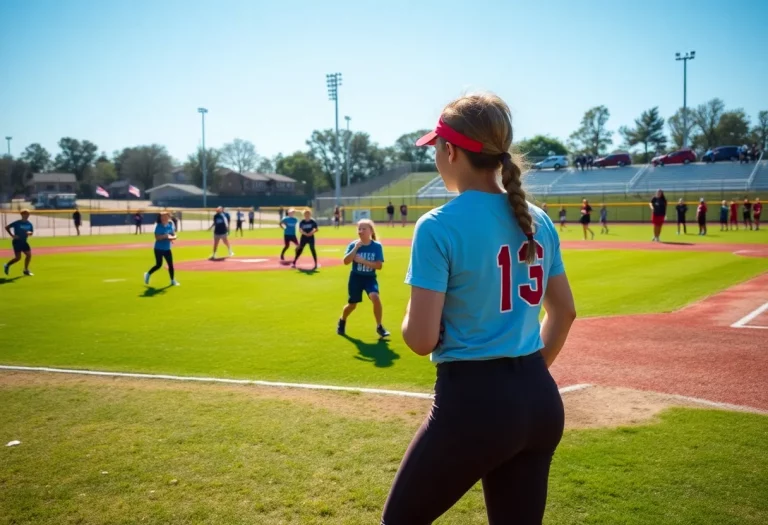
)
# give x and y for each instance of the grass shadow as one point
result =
(672, 243)
(3, 280)
(308, 271)
(377, 353)
(151, 291)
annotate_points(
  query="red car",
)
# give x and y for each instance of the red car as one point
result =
(683, 156)
(614, 159)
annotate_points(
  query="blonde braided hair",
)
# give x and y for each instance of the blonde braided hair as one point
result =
(487, 119)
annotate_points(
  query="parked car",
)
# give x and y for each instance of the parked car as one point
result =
(555, 161)
(614, 159)
(721, 153)
(683, 156)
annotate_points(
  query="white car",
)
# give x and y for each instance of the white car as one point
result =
(555, 161)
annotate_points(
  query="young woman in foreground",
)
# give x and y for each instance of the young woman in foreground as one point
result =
(481, 268)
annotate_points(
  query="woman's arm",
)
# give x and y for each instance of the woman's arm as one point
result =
(421, 324)
(560, 314)
(348, 258)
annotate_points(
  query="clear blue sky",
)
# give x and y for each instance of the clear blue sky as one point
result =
(123, 73)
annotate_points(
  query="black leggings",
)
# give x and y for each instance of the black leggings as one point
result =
(288, 239)
(159, 256)
(306, 241)
(498, 421)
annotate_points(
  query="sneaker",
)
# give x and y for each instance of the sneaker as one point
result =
(5, 269)
(293, 264)
(146, 278)
(28, 273)
(175, 283)
(383, 332)
(212, 257)
(231, 254)
(341, 327)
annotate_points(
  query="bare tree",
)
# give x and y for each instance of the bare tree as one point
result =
(239, 155)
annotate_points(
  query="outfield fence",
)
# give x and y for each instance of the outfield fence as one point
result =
(59, 223)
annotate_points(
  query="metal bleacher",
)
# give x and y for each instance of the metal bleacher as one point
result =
(721, 176)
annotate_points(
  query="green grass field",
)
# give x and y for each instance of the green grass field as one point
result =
(242, 455)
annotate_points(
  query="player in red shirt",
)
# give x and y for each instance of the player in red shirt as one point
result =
(734, 216)
(757, 209)
(701, 216)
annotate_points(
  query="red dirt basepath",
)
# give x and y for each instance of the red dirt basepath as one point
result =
(692, 352)
(750, 250)
(252, 264)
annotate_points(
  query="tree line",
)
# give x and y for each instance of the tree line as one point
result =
(151, 165)
(707, 125)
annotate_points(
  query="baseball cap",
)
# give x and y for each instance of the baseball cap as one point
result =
(446, 132)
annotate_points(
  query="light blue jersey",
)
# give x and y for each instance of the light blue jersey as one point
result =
(290, 225)
(163, 229)
(472, 250)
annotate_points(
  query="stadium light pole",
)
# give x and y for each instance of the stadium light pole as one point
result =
(333, 81)
(9, 145)
(685, 58)
(349, 141)
(202, 112)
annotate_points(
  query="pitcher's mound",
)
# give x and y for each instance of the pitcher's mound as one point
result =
(252, 264)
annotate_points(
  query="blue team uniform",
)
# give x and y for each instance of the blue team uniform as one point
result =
(161, 229)
(361, 278)
(492, 297)
(290, 226)
(220, 224)
(21, 229)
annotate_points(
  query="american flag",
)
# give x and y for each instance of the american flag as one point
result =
(133, 190)
(101, 191)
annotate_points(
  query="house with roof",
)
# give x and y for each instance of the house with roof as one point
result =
(231, 183)
(51, 183)
(173, 191)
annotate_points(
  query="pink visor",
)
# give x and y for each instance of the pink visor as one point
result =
(450, 135)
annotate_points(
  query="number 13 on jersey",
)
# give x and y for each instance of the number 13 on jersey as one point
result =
(531, 293)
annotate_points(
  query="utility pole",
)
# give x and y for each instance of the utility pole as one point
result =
(685, 59)
(333, 81)
(202, 112)
(349, 141)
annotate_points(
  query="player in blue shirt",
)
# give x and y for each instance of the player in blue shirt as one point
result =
(165, 234)
(20, 231)
(288, 225)
(239, 222)
(366, 256)
(481, 268)
(220, 232)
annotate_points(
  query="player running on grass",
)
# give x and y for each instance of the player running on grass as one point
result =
(366, 256)
(603, 219)
(22, 231)
(308, 227)
(586, 218)
(288, 225)
(220, 232)
(165, 234)
(481, 267)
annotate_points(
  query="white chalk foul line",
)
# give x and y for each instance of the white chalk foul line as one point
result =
(744, 321)
(307, 386)
(715, 404)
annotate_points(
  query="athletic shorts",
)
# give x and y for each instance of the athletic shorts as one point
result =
(290, 238)
(757, 216)
(747, 216)
(240, 224)
(220, 236)
(658, 220)
(20, 246)
(359, 284)
(702, 220)
(585, 219)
